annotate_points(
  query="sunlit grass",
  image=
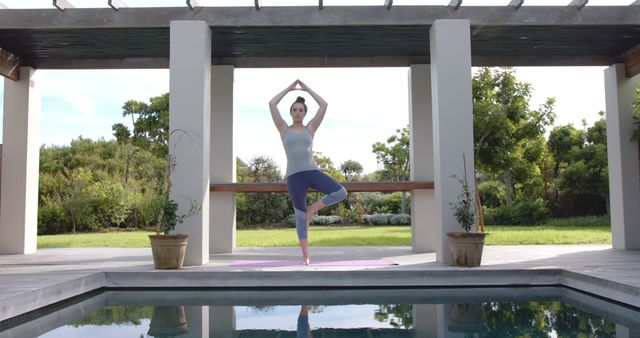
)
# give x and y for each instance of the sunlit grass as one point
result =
(590, 230)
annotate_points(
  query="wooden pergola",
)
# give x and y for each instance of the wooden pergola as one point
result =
(203, 45)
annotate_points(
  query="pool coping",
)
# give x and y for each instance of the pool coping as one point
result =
(31, 282)
(25, 302)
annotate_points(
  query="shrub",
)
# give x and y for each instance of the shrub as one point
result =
(353, 209)
(53, 219)
(523, 213)
(326, 220)
(372, 200)
(400, 219)
(317, 220)
(147, 209)
(261, 208)
(111, 202)
(491, 193)
(391, 203)
(377, 219)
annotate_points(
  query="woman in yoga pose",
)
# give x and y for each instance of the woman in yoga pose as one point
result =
(302, 172)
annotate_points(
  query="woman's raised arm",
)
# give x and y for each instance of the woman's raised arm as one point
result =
(275, 113)
(313, 125)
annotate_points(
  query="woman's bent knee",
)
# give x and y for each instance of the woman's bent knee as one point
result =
(335, 196)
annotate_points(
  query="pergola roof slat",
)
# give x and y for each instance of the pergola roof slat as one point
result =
(332, 36)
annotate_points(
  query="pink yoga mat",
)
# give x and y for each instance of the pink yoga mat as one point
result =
(262, 264)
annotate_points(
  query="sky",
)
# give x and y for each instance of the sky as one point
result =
(366, 105)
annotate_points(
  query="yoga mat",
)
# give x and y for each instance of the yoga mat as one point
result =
(262, 264)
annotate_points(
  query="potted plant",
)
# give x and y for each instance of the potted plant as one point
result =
(168, 249)
(168, 321)
(468, 319)
(635, 132)
(465, 247)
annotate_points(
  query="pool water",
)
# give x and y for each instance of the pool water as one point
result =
(486, 312)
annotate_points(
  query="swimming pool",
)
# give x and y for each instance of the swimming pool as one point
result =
(390, 312)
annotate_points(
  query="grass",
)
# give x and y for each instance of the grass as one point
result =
(117, 239)
(585, 230)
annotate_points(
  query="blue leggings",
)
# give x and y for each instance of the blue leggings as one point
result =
(298, 185)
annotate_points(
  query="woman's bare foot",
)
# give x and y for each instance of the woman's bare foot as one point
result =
(305, 261)
(310, 213)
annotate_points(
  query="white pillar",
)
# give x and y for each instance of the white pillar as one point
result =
(423, 225)
(624, 164)
(626, 332)
(20, 165)
(222, 204)
(189, 121)
(452, 121)
(222, 321)
(197, 322)
(425, 320)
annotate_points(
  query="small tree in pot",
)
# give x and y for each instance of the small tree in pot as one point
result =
(465, 247)
(169, 249)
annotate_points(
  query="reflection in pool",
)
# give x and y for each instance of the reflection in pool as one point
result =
(495, 312)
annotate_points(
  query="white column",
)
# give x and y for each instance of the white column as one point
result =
(189, 121)
(20, 165)
(626, 332)
(222, 321)
(423, 225)
(452, 121)
(222, 205)
(197, 322)
(624, 164)
(425, 320)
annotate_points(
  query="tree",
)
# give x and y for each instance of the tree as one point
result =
(393, 157)
(150, 125)
(261, 208)
(326, 165)
(351, 169)
(506, 132)
(83, 186)
(584, 182)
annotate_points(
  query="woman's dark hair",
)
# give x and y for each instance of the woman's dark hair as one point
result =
(300, 99)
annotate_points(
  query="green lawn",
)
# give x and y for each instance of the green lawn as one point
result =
(575, 231)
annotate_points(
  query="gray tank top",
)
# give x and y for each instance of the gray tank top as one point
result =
(299, 150)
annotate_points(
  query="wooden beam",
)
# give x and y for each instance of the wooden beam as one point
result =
(388, 3)
(116, 4)
(350, 186)
(631, 59)
(455, 4)
(192, 4)
(62, 4)
(9, 65)
(578, 3)
(518, 3)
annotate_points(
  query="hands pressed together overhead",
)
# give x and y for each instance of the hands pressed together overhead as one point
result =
(296, 83)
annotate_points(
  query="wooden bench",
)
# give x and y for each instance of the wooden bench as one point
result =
(350, 186)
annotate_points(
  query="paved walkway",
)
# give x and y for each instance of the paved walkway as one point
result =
(28, 282)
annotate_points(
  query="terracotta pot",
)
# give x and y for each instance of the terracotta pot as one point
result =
(168, 250)
(466, 247)
(168, 321)
(468, 318)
